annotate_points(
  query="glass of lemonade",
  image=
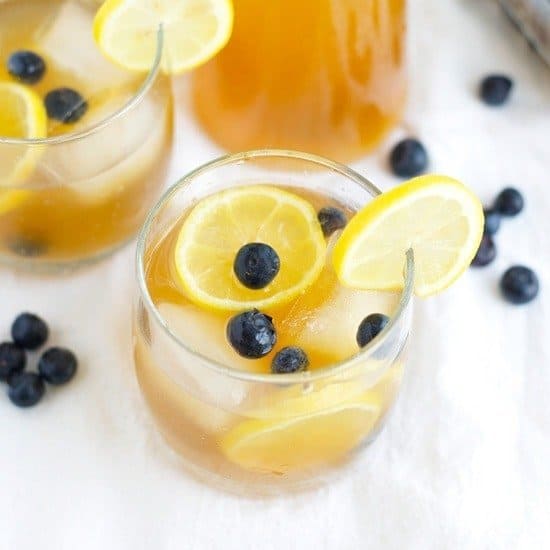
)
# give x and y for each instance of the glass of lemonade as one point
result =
(262, 425)
(83, 187)
(325, 77)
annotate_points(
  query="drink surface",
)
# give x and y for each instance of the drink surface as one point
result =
(249, 431)
(314, 320)
(82, 196)
(319, 76)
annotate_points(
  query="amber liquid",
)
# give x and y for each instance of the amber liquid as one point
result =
(194, 408)
(164, 287)
(322, 76)
(81, 198)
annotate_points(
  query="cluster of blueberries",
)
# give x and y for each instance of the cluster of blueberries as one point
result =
(409, 158)
(519, 284)
(56, 366)
(252, 333)
(63, 104)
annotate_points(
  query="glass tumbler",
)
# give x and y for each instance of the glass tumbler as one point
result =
(209, 412)
(75, 197)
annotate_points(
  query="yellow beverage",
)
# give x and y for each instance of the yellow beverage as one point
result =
(233, 419)
(86, 186)
(325, 76)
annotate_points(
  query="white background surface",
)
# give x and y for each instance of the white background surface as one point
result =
(464, 462)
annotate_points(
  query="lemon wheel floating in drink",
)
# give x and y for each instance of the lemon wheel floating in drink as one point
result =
(274, 311)
(22, 115)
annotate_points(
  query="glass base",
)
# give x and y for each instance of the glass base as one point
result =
(259, 486)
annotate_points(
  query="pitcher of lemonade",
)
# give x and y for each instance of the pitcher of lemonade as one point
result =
(324, 76)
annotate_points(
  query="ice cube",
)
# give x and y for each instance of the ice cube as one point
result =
(292, 317)
(68, 43)
(105, 162)
(201, 392)
(331, 329)
(205, 333)
(163, 386)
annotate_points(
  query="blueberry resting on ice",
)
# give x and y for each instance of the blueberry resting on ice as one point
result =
(28, 67)
(29, 331)
(331, 219)
(12, 359)
(65, 105)
(251, 334)
(408, 158)
(26, 389)
(519, 285)
(256, 265)
(370, 327)
(288, 360)
(57, 365)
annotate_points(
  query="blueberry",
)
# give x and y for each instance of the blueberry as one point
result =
(509, 202)
(288, 360)
(28, 248)
(495, 89)
(519, 285)
(26, 66)
(57, 365)
(256, 265)
(492, 221)
(29, 331)
(251, 334)
(408, 158)
(12, 378)
(486, 252)
(26, 389)
(65, 105)
(331, 219)
(370, 327)
(12, 359)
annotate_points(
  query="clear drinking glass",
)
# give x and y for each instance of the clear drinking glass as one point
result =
(210, 412)
(326, 77)
(82, 192)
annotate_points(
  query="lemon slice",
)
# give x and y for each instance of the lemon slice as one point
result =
(22, 115)
(310, 431)
(436, 216)
(221, 224)
(194, 30)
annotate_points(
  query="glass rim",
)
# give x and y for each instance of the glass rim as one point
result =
(336, 368)
(137, 97)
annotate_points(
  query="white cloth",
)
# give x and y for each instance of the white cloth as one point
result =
(464, 461)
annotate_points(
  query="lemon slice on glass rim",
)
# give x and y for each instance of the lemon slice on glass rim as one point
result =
(193, 32)
(23, 116)
(437, 217)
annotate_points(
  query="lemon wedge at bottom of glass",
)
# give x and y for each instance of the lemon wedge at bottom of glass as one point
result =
(306, 432)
